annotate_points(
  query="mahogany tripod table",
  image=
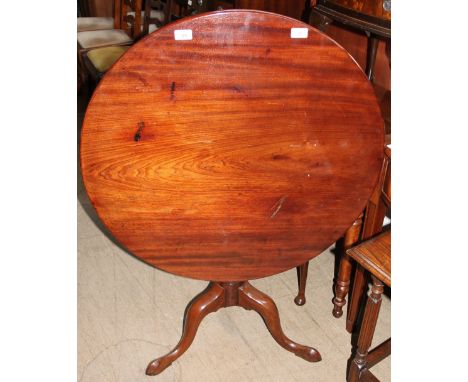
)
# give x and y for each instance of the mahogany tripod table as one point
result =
(231, 146)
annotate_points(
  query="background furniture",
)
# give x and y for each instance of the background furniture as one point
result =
(363, 29)
(378, 205)
(367, 225)
(94, 23)
(372, 256)
(125, 28)
(244, 169)
(372, 17)
(97, 61)
(291, 8)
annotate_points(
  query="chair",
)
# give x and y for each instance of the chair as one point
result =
(373, 256)
(157, 19)
(126, 28)
(121, 37)
(123, 34)
(86, 23)
(98, 61)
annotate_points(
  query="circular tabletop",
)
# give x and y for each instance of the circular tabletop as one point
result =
(231, 145)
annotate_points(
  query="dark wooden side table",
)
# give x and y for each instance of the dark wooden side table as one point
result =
(373, 17)
(221, 148)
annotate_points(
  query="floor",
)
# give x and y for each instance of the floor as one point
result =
(130, 313)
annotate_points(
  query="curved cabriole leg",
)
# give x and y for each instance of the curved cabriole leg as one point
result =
(210, 300)
(252, 298)
(301, 279)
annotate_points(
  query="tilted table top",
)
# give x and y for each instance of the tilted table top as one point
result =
(239, 153)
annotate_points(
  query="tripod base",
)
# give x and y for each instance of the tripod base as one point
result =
(218, 295)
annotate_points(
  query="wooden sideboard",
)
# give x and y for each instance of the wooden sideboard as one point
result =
(291, 8)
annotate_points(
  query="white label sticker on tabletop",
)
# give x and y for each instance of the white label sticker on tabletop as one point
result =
(183, 34)
(299, 32)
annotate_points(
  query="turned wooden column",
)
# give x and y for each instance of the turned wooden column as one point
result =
(345, 268)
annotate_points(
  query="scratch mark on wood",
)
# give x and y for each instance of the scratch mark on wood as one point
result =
(278, 206)
(128, 73)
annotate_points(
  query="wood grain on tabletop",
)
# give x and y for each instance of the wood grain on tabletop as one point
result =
(235, 155)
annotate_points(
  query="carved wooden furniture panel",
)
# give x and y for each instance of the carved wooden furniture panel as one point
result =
(221, 148)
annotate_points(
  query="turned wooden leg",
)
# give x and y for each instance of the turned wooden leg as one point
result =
(210, 300)
(342, 285)
(371, 313)
(344, 271)
(360, 279)
(301, 280)
(252, 298)
(372, 46)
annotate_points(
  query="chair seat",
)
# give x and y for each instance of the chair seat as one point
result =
(94, 23)
(101, 38)
(103, 58)
(374, 256)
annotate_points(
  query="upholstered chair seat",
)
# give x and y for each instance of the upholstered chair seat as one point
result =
(94, 23)
(101, 38)
(103, 58)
